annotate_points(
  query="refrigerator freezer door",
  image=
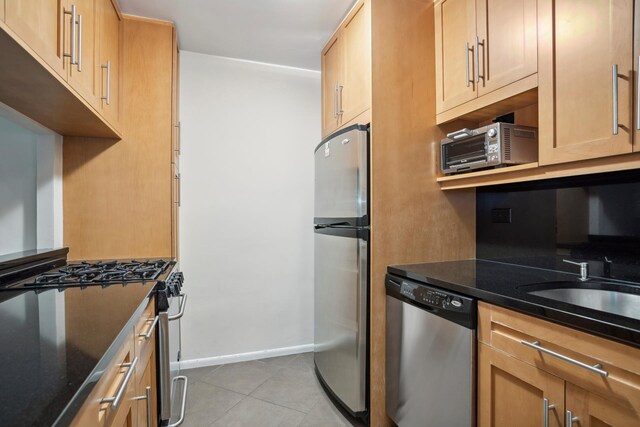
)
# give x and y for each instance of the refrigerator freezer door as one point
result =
(341, 314)
(342, 175)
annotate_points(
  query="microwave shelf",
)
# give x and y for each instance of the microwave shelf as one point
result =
(484, 172)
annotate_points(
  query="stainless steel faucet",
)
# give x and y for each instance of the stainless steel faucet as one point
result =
(584, 269)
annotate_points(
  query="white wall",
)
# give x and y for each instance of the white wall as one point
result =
(246, 242)
(30, 184)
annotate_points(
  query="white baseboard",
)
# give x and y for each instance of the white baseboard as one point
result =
(244, 357)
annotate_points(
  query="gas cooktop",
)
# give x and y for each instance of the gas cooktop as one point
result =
(89, 273)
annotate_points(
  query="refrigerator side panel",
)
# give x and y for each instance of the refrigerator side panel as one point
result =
(341, 317)
(341, 172)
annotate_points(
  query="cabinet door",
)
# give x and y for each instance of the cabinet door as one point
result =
(511, 392)
(109, 62)
(455, 26)
(41, 25)
(590, 39)
(354, 97)
(82, 76)
(507, 42)
(592, 410)
(1, 10)
(331, 73)
(147, 406)
(636, 66)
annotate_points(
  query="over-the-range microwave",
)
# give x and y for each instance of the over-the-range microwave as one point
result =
(497, 144)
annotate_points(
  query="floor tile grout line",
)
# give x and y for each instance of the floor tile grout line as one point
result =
(276, 404)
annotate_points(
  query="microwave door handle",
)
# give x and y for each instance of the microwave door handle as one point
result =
(462, 133)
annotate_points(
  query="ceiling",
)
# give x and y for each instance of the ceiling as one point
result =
(283, 32)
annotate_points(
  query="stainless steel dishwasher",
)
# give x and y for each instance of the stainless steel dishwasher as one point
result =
(431, 355)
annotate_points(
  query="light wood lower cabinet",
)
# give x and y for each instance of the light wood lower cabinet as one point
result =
(518, 367)
(147, 392)
(510, 392)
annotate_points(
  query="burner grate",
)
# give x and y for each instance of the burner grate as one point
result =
(96, 273)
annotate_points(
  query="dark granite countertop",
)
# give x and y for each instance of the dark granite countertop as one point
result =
(499, 282)
(55, 345)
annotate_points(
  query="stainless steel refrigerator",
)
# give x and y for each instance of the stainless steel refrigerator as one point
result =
(341, 225)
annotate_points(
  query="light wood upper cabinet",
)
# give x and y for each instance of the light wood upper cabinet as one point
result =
(510, 392)
(346, 69)
(82, 75)
(1, 10)
(108, 64)
(356, 39)
(587, 112)
(41, 25)
(455, 27)
(331, 73)
(591, 410)
(507, 42)
(482, 46)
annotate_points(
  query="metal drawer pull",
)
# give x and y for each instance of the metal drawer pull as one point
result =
(148, 334)
(108, 97)
(614, 75)
(597, 368)
(335, 101)
(73, 53)
(115, 400)
(546, 409)
(184, 399)
(570, 419)
(183, 303)
(147, 397)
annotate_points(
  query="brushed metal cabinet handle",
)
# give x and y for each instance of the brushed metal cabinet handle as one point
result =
(614, 86)
(597, 368)
(335, 101)
(570, 419)
(147, 397)
(107, 66)
(72, 37)
(340, 88)
(638, 95)
(468, 49)
(79, 66)
(477, 56)
(546, 408)
(115, 400)
(148, 334)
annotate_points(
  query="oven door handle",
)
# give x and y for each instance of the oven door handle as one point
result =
(462, 133)
(183, 303)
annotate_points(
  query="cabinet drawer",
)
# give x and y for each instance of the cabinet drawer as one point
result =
(115, 377)
(147, 323)
(508, 331)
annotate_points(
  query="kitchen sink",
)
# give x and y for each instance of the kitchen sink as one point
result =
(615, 298)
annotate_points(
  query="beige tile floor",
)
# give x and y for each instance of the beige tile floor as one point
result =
(279, 391)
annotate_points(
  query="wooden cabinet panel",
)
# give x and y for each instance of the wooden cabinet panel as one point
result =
(511, 392)
(590, 38)
(147, 379)
(40, 24)
(592, 410)
(355, 96)
(455, 26)
(2, 10)
(636, 63)
(82, 76)
(108, 64)
(331, 73)
(508, 44)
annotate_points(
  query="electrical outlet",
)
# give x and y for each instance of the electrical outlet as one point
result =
(501, 215)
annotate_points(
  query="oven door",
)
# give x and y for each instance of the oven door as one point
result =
(173, 386)
(467, 153)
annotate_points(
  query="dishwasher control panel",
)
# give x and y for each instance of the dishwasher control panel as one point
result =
(459, 308)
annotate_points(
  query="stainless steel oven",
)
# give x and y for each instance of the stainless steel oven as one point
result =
(172, 387)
